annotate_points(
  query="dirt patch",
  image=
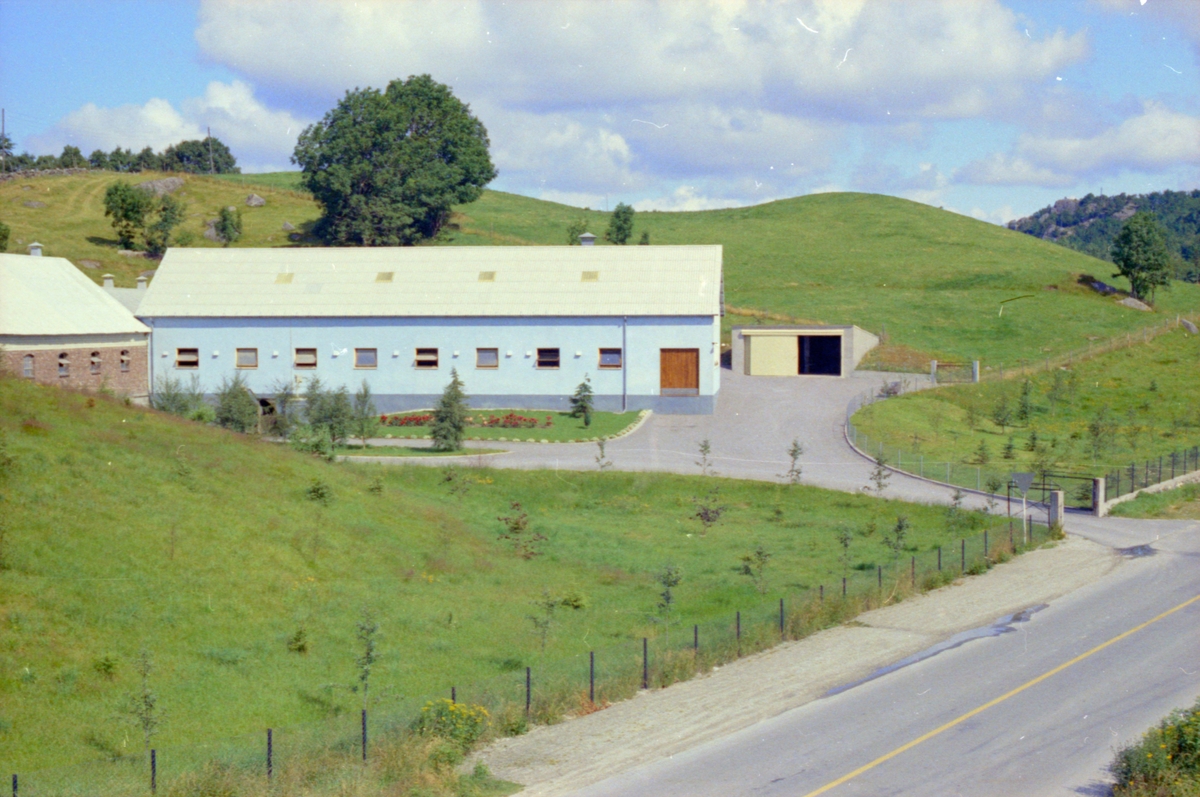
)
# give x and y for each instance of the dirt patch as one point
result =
(562, 758)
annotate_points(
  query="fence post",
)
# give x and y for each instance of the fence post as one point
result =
(914, 571)
(939, 558)
(645, 663)
(592, 677)
(978, 477)
(270, 756)
(964, 555)
(879, 570)
(843, 586)
(364, 735)
(153, 770)
(454, 694)
(528, 689)
(933, 371)
(738, 622)
(14, 784)
(821, 593)
(696, 639)
(986, 552)
(781, 618)
(975, 371)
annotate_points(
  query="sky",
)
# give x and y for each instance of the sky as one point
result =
(989, 108)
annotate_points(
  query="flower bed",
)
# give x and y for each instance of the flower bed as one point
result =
(489, 421)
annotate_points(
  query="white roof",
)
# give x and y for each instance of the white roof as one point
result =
(49, 296)
(437, 281)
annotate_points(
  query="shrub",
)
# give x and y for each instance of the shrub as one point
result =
(456, 722)
(237, 407)
(1166, 755)
(319, 491)
(5, 231)
(229, 225)
(173, 396)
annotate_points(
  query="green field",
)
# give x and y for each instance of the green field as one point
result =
(128, 529)
(930, 279)
(1182, 503)
(1125, 406)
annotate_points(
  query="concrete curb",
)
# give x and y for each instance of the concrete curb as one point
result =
(368, 460)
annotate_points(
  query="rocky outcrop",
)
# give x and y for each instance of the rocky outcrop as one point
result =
(167, 185)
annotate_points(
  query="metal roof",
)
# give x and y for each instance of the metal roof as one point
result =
(437, 281)
(49, 296)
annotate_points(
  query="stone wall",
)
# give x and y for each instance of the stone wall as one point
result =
(29, 173)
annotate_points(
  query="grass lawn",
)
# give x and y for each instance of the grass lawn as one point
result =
(931, 279)
(410, 451)
(1182, 503)
(562, 426)
(1128, 405)
(126, 529)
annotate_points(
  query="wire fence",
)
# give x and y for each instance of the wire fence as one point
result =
(1139, 475)
(547, 690)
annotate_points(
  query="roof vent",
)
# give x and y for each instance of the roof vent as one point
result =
(142, 281)
(487, 276)
(35, 249)
(590, 276)
(587, 239)
(284, 279)
(108, 281)
(385, 276)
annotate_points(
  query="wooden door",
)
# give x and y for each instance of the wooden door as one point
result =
(679, 371)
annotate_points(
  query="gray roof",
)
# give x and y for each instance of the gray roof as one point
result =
(130, 298)
(437, 281)
(49, 296)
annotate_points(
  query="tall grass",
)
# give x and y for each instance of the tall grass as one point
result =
(1166, 762)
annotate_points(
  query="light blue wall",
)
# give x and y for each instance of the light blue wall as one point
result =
(399, 385)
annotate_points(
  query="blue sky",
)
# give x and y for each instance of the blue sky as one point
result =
(991, 108)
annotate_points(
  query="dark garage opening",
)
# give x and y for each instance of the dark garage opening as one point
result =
(821, 355)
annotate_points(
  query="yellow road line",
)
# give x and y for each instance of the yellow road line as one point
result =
(910, 745)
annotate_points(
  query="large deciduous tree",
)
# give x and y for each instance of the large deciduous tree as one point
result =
(388, 166)
(200, 156)
(1140, 253)
(128, 207)
(620, 226)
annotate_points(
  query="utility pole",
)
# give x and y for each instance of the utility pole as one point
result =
(210, 157)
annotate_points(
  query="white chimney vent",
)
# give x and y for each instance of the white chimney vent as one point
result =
(587, 239)
(35, 249)
(142, 283)
(108, 282)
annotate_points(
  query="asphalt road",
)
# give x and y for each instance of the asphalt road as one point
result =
(1053, 736)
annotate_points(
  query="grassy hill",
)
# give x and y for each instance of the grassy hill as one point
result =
(932, 280)
(125, 529)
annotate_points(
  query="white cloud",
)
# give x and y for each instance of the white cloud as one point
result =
(1155, 140)
(260, 137)
(1001, 169)
(686, 197)
(1001, 215)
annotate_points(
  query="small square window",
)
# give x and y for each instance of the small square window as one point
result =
(427, 358)
(94, 363)
(247, 358)
(187, 358)
(487, 358)
(610, 358)
(306, 358)
(366, 358)
(125, 361)
(547, 358)
(64, 365)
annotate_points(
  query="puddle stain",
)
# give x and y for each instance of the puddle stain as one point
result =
(1137, 551)
(1001, 626)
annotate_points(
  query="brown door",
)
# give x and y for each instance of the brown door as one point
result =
(679, 371)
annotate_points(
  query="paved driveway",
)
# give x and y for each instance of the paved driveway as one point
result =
(754, 425)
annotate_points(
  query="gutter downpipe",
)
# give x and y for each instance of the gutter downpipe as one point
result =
(150, 363)
(624, 366)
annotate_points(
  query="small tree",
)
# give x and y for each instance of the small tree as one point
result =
(705, 461)
(128, 207)
(5, 231)
(899, 533)
(620, 226)
(364, 413)
(708, 510)
(237, 408)
(602, 463)
(328, 412)
(1025, 402)
(141, 706)
(365, 632)
(582, 401)
(668, 578)
(1141, 256)
(171, 214)
(574, 230)
(754, 564)
(982, 456)
(1009, 451)
(645, 239)
(879, 476)
(1002, 413)
(516, 532)
(228, 226)
(994, 485)
(450, 416)
(844, 538)
(794, 469)
(458, 484)
(543, 620)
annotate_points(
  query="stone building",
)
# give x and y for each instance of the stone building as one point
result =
(58, 327)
